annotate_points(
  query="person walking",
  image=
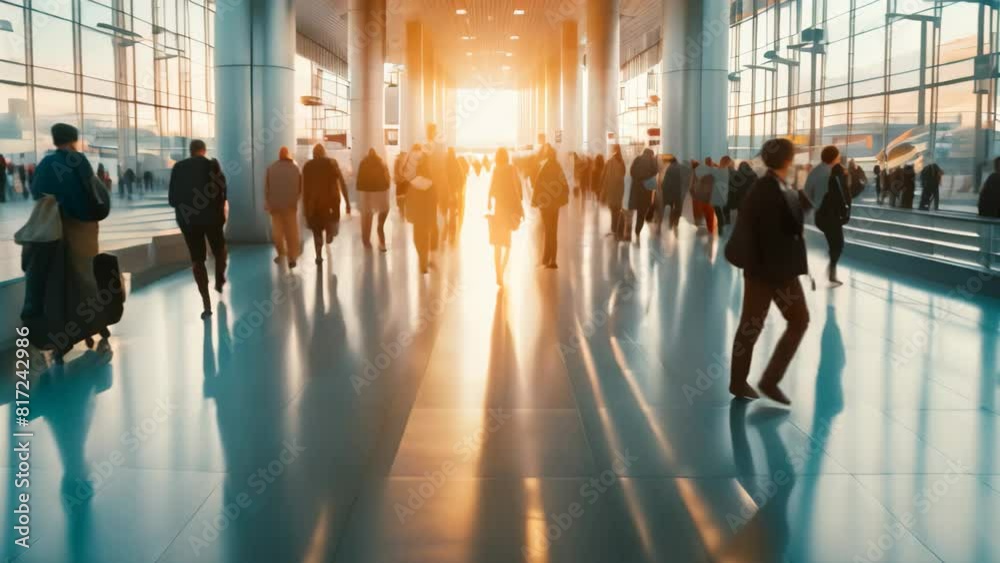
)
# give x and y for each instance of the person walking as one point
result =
(322, 186)
(373, 194)
(723, 175)
(550, 194)
(768, 244)
(435, 154)
(401, 184)
(989, 196)
(673, 192)
(817, 184)
(877, 174)
(67, 175)
(454, 200)
(3, 179)
(282, 189)
(596, 173)
(930, 181)
(421, 205)
(702, 188)
(909, 186)
(642, 189)
(129, 180)
(198, 195)
(613, 189)
(833, 213)
(506, 210)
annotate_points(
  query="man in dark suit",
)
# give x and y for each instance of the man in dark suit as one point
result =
(198, 196)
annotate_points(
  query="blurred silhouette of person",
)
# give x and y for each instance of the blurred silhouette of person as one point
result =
(833, 213)
(3, 179)
(322, 186)
(818, 180)
(373, 194)
(198, 194)
(674, 190)
(930, 181)
(507, 210)
(703, 188)
(720, 192)
(877, 174)
(147, 180)
(421, 205)
(857, 181)
(613, 189)
(989, 196)
(596, 173)
(455, 198)
(401, 184)
(129, 180)
(775, 213)
(909, 186)
(642, 173)
(282, 188)
(437, 166)
(550, 194)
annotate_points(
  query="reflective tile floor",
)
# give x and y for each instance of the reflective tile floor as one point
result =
(356, 412)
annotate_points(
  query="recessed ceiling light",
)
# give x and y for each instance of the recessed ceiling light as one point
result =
(515, 37)
(461, 12)
(509, 54)
(468, 53)
(468, 37)
(518, 12)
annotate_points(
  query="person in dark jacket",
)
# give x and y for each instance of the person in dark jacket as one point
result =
(550, 193)
(877, 174)
(373, 192)
(3, 179)
(833, 213)
(322, 186)
(989, 196)
(613, 190)
(640, 198)
(198, 195)
(674, 191)
(774, 213)
(421, 204)
(596, 172)
(930, 182)
(128, 180)
(909, 187)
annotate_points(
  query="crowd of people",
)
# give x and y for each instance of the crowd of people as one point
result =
(765, 208)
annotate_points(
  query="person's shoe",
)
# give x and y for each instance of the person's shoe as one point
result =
(103, 346)
(220, 282)
(319, 259)
(774, 393)
(552, 266)
(382, 247)
(366, 244)
(834, 282)
(743, 391)
(206, 314)
(291, 264)
(277, 259)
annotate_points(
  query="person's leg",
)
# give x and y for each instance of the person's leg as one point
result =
(552, 236)
(720, 218)
(292, 236)
(828, 234)
(791, 301)
(318, 235)
(366, 228)
(675, 215)
(421, 242)
(194, 238)
(836, 240)
(709, 214)
(936, 196)
(278, 236)
(217, 242)
(498, 263)
(381, 230)
(615, 218)
(756, 302)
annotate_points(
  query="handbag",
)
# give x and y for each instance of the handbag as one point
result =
(649, 184)
(44, 224)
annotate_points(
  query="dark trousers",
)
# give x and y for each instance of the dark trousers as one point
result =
(616, 219)
(835, 240)
(550, 233)
(642, 208)
(195, 237)
(675, 214)
(424, 233)
(757, 298)
(722, 217)
(928, 194)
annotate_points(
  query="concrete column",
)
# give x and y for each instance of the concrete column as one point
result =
(570, 97)
(255, 116)
(553, 86)
(366, 59)
(695, 80)
(429, 86)
(602, 72)
(450, 111)
(412, 124)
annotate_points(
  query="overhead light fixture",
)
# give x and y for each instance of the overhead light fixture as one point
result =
(461, 12)
(468, 53)
(165, 56)
(509, 54)
(5, 25)
(119, 30)
(518, 12)
(468, 37)
(515, 37)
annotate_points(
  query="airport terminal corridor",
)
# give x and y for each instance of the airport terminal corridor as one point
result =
(355, 411)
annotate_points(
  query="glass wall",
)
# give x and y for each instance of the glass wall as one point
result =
(134, 75)
(890, 82)
(639, 96)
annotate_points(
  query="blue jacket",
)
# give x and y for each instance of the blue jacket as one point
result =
(65, 175)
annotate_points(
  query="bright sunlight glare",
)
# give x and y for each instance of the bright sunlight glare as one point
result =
(486, 119)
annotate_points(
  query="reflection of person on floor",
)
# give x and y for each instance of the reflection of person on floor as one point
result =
(282, 188)
(549, 195)
(506, 210)
(198, 195)
(775, 212)
(762, 535)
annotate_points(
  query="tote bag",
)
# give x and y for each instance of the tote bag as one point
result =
(44, 224)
